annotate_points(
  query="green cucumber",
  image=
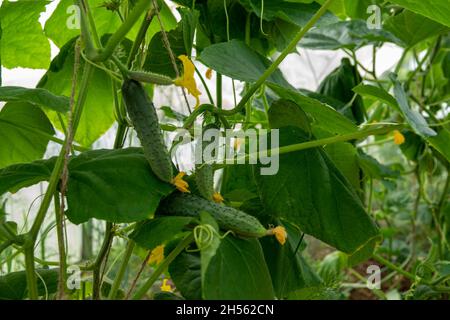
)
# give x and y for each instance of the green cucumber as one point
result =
(204, 173)
(145, 121)
(228, 218)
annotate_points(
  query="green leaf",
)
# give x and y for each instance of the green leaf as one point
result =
(351, 34)
(24, 132)
(158, 59)
(18, 176)
(98, 115)
(23, 41)
(375, 169)
(315, 196)
(325, 117)
(160, 230)
(288, 268)
(413, 28)
(438, 10)
(344, 156)
(38, 97)
(189, 21)
(13, 286)
(376, 92)
(414, 118)
(185, 272)
(113, 185)
(63, 24)
(441, 142)
(284, 113)
(238, 61)
(237, 183)
(238, 271)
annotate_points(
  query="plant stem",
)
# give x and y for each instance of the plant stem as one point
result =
(123, 267)
(163, 266)
(140, 36)
(392, 266)
(61, 246)
(280, 58)
(219, 90)
(107, 240)
(321, 142)
(52, 186)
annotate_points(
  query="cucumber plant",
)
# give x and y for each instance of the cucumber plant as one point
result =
(363, 172)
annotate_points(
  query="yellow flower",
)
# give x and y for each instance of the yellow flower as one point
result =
(217, 197)
(166, 287)
(399, 138)
(280, 234)
(187, 80)
(208, 73)
(181, 185)
(157, 255)
(237, 144)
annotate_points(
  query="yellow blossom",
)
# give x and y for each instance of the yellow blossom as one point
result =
(181, 185)
(165, 286)
(399, 138)
(157, 255)
(280, 234)
(208, 74)
(217, 197)
(187, 80)
(237, 144)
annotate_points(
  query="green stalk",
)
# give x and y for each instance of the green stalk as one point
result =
(107, 240)
(321, 142)
(292, 45)
(140, 36)
(219, 90)
(51, 188)
(123, 267)
(163, 266)
(61, 246)
(105, 53)
(392, 266)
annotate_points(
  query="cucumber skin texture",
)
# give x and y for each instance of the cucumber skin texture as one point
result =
(145, 121)
(204, 174)
(228, 218)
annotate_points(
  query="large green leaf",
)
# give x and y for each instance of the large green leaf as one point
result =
(23, 41)
(441, 142)
(437, 10)
(315, 196)
(160, 230)
(325, 117)
(413, 117)
(113, 185)
(238, 61)
(413, 28)
(39, 97)
(18, 176)
(376, 92)
(238, 271)
(351, 34)
(344, 156)
(98, 114)
(24, 133)
(13, 286)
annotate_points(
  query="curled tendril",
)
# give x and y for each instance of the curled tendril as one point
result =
(204, 236)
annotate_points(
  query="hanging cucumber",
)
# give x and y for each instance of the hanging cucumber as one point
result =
(204, 173)
(228, 218)
(145, 121)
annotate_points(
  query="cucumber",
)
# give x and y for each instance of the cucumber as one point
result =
(204, 173)
(145, 121)
(228, 218)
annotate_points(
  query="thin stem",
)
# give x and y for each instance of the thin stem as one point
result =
(163, 266)
(30, 272)
(211, 100)
(219, 90)
(392, 266)
(107, 240)
(140, 36)
(61, 245)
(123, 267)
